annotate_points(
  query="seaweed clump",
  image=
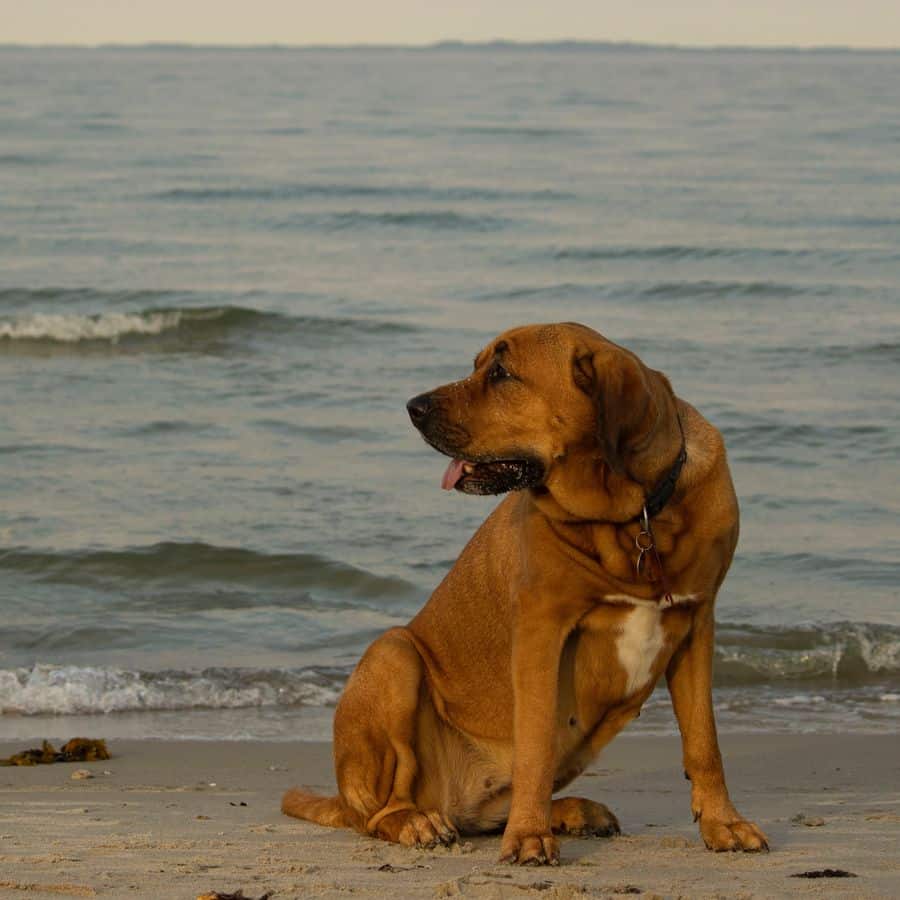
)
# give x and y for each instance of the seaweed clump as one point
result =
(75, 750)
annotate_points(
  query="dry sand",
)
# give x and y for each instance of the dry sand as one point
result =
(169, 820)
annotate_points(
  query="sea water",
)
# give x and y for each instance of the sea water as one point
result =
(223, 273)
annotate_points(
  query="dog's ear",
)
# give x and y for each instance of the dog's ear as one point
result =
(624, 397)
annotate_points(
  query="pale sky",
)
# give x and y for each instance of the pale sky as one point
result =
(859, 23)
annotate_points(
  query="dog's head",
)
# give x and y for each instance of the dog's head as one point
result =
(543, 404)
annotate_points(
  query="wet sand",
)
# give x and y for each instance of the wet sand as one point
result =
(177, 819)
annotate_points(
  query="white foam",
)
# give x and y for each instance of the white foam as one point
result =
(878, 655)
(64, 690)
(71, 328)
(799, 700)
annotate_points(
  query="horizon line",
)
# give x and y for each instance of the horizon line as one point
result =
(452, 44)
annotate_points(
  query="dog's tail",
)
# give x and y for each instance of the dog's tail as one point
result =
(331, 811)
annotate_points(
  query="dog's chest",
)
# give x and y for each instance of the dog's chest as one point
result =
(623, 648)
(639, 642)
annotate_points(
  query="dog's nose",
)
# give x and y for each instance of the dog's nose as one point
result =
(419, 407)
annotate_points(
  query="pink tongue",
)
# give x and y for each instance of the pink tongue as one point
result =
(452, 475)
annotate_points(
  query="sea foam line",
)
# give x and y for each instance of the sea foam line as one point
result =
(71, 328)
(66, 690)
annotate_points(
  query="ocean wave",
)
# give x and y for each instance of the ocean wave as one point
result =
(430, 219)
(185, 566)
(69, 329)
(854, 570)
(24, 159)
(528, 132)
(104, 126)
(692, 251)
(18, 297)
(67, 690)
(359, 190)
(800, 665)
(324, 434)
(805, 444)
(875, 352)
(762, 434)
(866, 221)
(839, 654)
(182, 328)
(870, 352)
(544, 292)
(578, 97)
(703, 289)
(179, 328)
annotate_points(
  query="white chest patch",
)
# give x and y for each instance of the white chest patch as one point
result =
(640, 640)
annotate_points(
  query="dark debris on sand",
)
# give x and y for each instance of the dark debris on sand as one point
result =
(237, 895)
(825, 873)
(75, 750)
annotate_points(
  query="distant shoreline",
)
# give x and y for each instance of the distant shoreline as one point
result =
(497, 45)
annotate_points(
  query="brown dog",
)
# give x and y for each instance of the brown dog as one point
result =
(594, 577)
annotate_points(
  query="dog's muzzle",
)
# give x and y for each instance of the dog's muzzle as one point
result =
(481, 474)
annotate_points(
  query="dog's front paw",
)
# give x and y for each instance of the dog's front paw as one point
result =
(529, 849)
(731, 833)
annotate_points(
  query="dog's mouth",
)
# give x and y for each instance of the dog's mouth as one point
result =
(492, 476)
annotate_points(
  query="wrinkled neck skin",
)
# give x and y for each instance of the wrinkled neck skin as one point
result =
(583, 487)
(594, 510)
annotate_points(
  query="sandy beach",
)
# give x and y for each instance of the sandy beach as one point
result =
(177, 819)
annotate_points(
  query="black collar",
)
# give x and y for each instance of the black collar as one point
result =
(665, 487)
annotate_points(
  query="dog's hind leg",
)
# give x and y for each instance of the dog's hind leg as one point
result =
(374, 745)
(575, 815)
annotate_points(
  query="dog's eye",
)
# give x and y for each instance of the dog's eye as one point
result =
(497, 372)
